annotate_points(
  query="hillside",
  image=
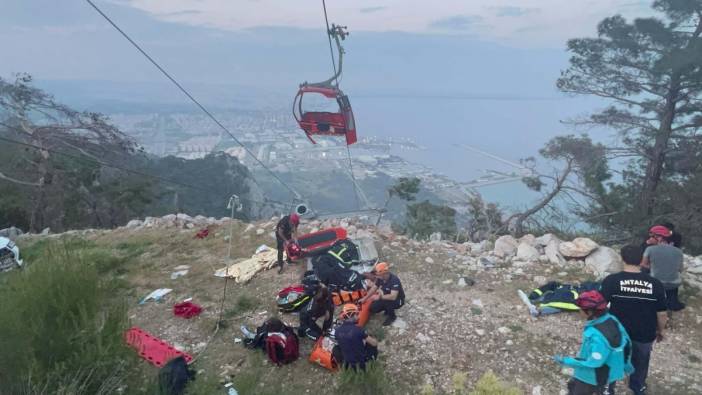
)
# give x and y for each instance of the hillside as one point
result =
(447, 329)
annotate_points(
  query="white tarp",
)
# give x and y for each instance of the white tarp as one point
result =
(244, 271)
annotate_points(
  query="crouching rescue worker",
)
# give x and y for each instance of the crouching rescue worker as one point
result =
(320, 306)
(386, 293)
(605, 354)
(357, 347)
(285, 232)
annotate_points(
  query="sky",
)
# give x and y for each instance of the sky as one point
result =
(445, 72)
(528, 23)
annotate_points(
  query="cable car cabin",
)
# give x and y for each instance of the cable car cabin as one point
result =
(326, 123)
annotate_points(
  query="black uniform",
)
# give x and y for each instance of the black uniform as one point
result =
(285, 227)
(389, 306)
(309, 315)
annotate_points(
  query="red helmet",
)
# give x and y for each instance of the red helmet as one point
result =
(591, 300)
(294, 219)
(293, 249)
(660, 230)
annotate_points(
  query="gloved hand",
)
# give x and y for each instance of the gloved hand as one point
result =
(558, 359)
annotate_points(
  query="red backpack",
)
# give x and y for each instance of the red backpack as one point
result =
(282, 347)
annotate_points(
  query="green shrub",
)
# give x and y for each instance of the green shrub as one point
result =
(490, 384)
(61, 329)
(371, 381)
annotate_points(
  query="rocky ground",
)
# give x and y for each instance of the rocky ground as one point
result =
(462, 315)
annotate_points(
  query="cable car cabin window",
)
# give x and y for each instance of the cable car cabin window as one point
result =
(315, 102)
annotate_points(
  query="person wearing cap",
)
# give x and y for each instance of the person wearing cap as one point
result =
(638, 301)
(386, 293)
(665, 262)
(285, 232)
(357, 347)
(605, 353)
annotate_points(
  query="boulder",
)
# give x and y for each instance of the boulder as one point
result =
(183, 218)
(546, 239)
(528, 239)
(526, 252)
(505, 246)
(603, 261)
(135, 223)
(435, 237)
(578, 248)
(553, 254)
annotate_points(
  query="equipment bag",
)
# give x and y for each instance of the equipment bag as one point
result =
(282, 347)
(292, 298)
(322, 353)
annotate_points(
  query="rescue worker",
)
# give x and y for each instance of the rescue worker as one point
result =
(386, 293)
(320, 306)
(285, 232)
(638, 301)
(605, 354)
(356, 346)
(665, 262)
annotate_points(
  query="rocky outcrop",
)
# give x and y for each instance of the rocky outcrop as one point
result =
(578, 248)
(603, 261)
(505, 246)
(526, 252)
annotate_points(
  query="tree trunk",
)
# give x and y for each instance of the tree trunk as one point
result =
(654, 168)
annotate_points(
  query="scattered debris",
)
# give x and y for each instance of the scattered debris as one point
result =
(178, 273)
(186, 310)
(202, 233)
(156, 295)
(9, 255)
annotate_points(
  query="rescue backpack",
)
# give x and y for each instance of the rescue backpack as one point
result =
(292, 298)
(282, 347)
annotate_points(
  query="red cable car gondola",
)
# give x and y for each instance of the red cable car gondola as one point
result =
(324, 123)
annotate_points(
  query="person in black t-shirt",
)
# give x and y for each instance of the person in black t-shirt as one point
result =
(638, 301)
(285, 232)
(387, 293)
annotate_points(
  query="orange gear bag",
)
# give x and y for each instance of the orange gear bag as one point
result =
(322, 354)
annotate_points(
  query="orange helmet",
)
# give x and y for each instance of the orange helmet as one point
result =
(348, 310)
(381, 267)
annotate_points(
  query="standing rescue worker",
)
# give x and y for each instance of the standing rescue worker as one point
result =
(357, 347)
(285, 232)
(605, 354)
(638, 301)
(386, 293)
(665, 262)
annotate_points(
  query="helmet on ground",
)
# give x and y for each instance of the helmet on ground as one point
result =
(660, 230)
(348, 310)
(591, 300)
(381, 268)
(294, 219)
